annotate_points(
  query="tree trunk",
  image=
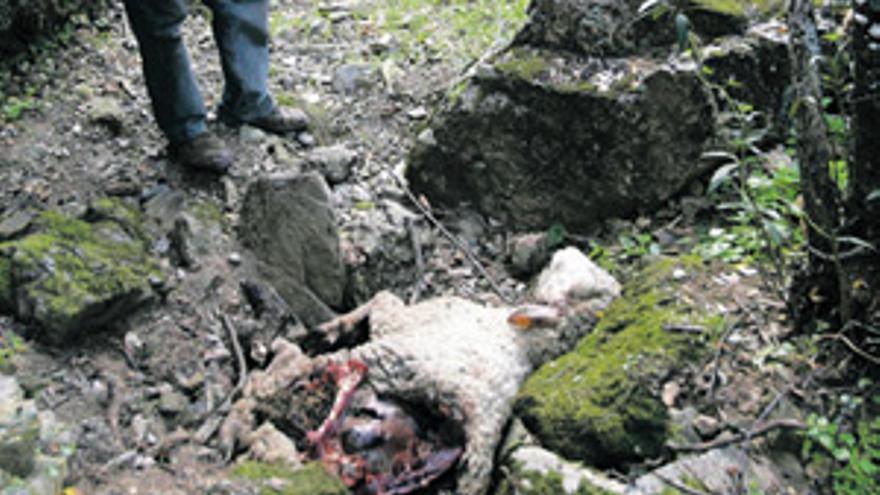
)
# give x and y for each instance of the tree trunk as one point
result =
(816, 290)
(863, 205)
(841, 284)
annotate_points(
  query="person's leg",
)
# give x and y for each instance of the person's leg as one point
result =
(241, 30)
(177, 102)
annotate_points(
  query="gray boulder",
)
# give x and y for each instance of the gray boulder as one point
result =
(549, 137)
(289, 225)
(592, 114)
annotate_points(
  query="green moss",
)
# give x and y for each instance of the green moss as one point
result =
(599, 402)
(311, 479)
(524, 65)
(70, 265)
(207, 212)
(6, 301)
(117, 210)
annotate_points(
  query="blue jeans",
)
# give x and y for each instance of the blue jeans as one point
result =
(241, 32)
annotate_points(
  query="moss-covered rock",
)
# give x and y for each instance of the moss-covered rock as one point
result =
(71, 275)
(600, 403)
(311, 479)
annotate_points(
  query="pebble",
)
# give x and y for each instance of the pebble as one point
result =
(234, 259)
(418, 113)
(306, 139)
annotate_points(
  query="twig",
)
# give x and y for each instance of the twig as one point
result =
(716, 359)
(755, 432)
(207, 430)
(420, 262)
(854, 348)
(239, 355)
(472, 258)
(678, 486)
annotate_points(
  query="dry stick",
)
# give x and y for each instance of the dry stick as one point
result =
(683, 328)
(775, 403)
(239, 355)
(717, 358)
(768, 427)
(206, 431)
(472, 258)
(854, 348)
(420, 262)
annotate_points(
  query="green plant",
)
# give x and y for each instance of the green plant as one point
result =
(852, 454)
(10, 345)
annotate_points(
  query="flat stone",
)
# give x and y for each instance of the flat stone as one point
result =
(288, 224)
(350, 78)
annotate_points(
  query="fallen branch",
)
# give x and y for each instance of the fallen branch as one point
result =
(854, 348)
(755, 432)
(239, 354)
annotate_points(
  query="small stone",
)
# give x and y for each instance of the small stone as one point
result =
(707, 427)
(156, 282)
(172, 402)
(334, 162)
(426, 138)
(527, 253)
(385, 43)
(234, 259)
(106, 111)
(16, 223)
(670, 393)
(418, 113)
(306, 139)
(351, 78)
(251, 134)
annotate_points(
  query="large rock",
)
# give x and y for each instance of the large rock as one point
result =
(591, 114)
(34, 447)
(615, 27)
(550, 137)
(72, 276)
(600, 403)
(289, 225)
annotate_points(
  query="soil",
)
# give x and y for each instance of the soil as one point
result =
(118, 388)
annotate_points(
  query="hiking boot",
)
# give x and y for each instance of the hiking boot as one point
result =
(282, 121)
(203, 152)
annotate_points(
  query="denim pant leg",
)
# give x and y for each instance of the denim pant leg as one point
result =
(177, 102)
(241, 30)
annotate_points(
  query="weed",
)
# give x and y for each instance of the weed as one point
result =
(854, 453)
(10, 345)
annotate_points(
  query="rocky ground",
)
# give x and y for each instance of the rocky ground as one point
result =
(143, 400)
